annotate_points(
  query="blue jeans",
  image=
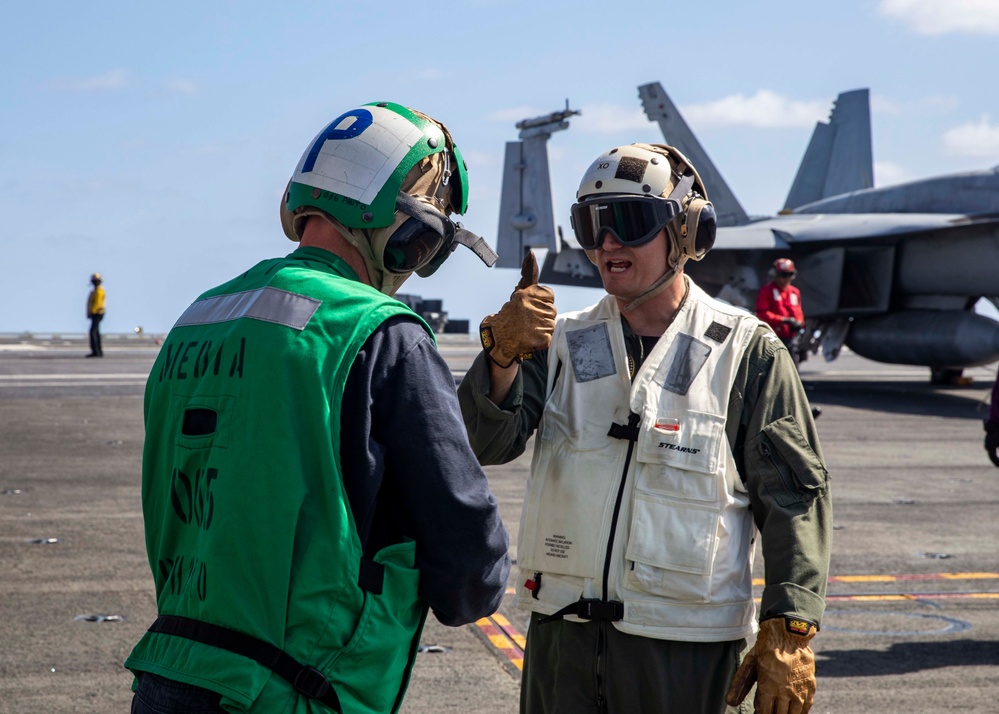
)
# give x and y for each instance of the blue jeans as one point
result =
(159, 695)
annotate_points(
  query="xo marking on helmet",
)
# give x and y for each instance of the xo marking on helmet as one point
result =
(336, 131)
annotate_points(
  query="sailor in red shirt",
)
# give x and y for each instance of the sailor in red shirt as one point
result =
(779, 303)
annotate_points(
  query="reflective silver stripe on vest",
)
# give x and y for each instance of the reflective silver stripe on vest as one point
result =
(267, 304)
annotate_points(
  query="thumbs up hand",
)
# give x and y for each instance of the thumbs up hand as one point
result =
(524, 324)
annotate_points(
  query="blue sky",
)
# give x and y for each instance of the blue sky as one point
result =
(151, 142)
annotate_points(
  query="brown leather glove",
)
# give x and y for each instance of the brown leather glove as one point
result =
(782, 665)
(524, 324)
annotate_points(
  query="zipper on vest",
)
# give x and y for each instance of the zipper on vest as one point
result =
(632, 436)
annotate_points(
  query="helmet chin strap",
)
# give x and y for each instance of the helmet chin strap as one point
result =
(657, 287)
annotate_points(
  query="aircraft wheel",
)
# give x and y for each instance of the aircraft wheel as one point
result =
(945, 376)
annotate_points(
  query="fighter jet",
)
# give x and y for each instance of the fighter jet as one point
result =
(894, 273)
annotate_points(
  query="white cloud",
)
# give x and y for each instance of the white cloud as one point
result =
(881, 104)
(940, 104)
(115, 79)
(182, 86)
(980, 140)
(939, 17)
(609, 118)
(764, 109)
(888, 174)
(932, 105)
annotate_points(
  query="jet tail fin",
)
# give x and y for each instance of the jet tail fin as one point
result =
(526, 220)
(838, 158)
(659, 108)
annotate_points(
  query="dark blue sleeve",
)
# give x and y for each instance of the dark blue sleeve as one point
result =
(409, 472)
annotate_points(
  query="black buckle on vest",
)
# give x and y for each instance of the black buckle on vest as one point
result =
(592, 609)
(589, 609)
(311, 682)
(629, 432)
(620, 431)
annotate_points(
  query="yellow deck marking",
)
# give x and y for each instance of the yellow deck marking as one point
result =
(898, 578)
(504, 636)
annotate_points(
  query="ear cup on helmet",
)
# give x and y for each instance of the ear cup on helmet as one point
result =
(698, 230)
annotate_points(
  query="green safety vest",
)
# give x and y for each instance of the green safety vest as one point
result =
(247, 524)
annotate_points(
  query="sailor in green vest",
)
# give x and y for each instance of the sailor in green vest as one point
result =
(304, 444)
(672, 432)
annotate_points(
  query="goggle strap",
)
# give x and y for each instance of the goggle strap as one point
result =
(438, 221)
(682, 188)
(422, 212)
(477, 244)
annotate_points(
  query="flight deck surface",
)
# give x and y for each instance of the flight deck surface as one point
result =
(912, 618)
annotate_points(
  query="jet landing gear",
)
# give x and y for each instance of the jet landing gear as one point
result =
(948, 377)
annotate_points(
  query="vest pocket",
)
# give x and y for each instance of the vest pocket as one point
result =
(680, 455)
(688, 439)
(567, 511)
(791, 469)
(372, 670)
(671, 548)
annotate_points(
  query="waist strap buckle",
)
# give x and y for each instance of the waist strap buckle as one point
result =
(589, 609)
(311, 683)
(593, 609)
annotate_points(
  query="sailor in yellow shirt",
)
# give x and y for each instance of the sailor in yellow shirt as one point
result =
(95, 311)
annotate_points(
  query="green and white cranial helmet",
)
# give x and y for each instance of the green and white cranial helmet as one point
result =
(383, 171)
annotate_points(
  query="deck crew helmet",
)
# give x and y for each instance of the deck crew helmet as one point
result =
(784, 267)
(388, 178)
(635, 191)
